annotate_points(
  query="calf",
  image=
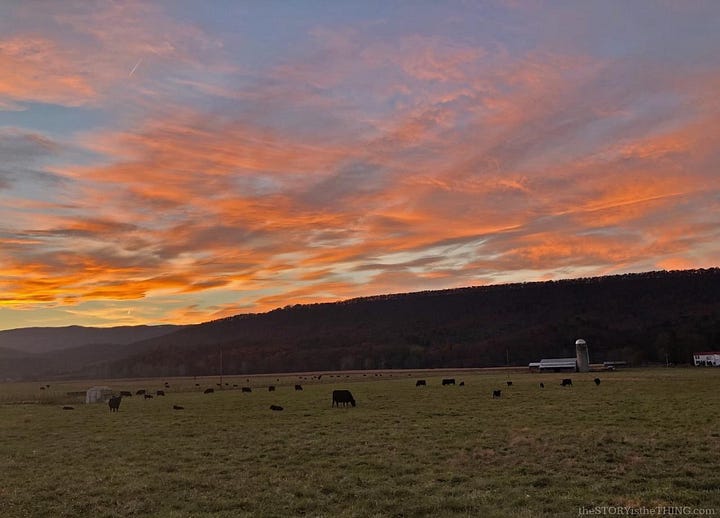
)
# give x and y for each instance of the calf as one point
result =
(276, 408)
(542, 385)
(298, 387)
(342, 396)
(178, 407)
(246, 389)
(462, 384)
(209, 391)
(68, 408)
(496, 393)
(509, 383)
(114, 403)
(566, 382)
(448, 381)
(140, 392)
(159, 392)
(271, 388)
(597, 381)
(147, 396)
(125, 393)
(420, 383)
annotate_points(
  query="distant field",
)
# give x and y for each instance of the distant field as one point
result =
(642, 439)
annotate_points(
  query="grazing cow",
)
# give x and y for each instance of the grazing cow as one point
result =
(497, 393)
(246, 389)
(298, 387)
(159, 392)
(542, 385)
(276, 408)
(566, 382)
(342, 396)
(68, 408)
(114, 403)
(125, 393)
(178, 407)
(235, 385)
(42, 388)
(140, 392)
(597, 381)
(271, 388)
(209, 390)
(420, 383)
(448, 381)
(462, 384)
(147, 396)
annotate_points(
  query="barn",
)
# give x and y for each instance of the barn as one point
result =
(98, 394)
(707, 359)
(554, 365)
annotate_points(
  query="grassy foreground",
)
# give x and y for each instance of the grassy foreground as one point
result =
(643, 438)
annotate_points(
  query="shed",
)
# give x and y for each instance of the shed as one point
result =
(98, 394)
(707, 359)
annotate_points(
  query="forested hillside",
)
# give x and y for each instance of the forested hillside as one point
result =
(639, 318)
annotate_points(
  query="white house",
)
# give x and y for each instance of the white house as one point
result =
(97, 394)
(709, 359)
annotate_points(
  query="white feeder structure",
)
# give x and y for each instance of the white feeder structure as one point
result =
(98, 394)
(582, 355)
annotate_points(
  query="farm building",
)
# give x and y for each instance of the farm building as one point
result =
(555, 365)
(97, 394)
(707, 359)
(580, 363)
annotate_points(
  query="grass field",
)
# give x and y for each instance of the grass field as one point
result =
(642, 439)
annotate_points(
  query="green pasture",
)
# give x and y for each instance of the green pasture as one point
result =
(642, 439)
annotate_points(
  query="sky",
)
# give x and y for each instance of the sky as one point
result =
(183, 161)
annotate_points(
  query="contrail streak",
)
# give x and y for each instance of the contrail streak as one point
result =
(135, 67)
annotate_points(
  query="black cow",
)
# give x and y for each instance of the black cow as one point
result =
(298, 387)
(542, 385)
(420, 383)
(68, 408)
(140, 392)
(566, 382)
(462, 384)
(597, 381)
(147, 396)
(271, 388)
(509, 383)
(276, 408)
(497, 393)
(178, 407)
(125, 393)
(342, 396)
(209, 390)
(246, 389)
(42, 388)
(448, 381)
(159, 392)
(114, 403)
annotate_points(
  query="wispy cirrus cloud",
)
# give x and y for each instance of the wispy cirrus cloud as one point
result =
(370, 157)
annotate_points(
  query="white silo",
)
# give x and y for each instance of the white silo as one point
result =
(582, 355)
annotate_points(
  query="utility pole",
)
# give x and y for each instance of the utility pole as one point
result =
(221, 367)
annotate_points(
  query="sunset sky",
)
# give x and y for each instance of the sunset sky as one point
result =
(182, 161)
